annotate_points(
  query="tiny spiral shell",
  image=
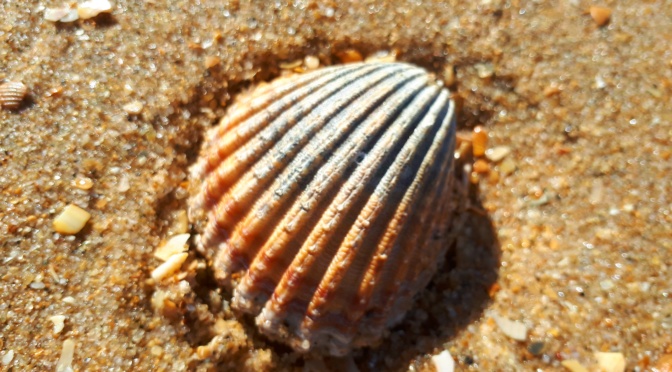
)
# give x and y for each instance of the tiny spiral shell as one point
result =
(12, 94)
(325, 200)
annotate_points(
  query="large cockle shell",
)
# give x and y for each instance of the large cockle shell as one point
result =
(325, 201)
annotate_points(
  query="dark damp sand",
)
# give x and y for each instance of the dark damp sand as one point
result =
(581, 228)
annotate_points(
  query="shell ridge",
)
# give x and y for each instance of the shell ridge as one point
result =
(398, 177)
(339, 216)
(279, 196)
(414, 232)
(225, 143)
(312, 200)
(227, 213)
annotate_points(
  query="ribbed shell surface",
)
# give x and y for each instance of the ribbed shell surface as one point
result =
(325, 199)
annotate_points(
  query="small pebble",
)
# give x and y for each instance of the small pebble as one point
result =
(71, 220)
(69, 300)
(601, 15)
(479, 140)
(573, 365)
(481, 166)
(536, 348)
(507, 167)
(349, 56)
(12, 94)
(443, 362)
(449, 75)
(610, 362)
(83, 183)
(59, 322)
(485, 70)
(172, 264)
(37, 285)
(133, 108)
(311, 62)
(176, 244)
(211, 61)
(497, 154)
(92, 8)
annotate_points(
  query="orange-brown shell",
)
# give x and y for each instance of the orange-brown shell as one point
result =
(324, 200)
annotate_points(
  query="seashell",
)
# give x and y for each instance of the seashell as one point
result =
(12, 94)
(325, 201)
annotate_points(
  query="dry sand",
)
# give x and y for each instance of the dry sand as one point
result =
(575, 244)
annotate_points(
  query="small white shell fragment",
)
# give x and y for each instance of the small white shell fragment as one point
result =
(170, 266)
(65, 361)
(92, 8)
(176, 244)
(71, 220)
(70, 17)
(573, 365)
(497, 154)
(443, 362)
(56, 14)
(8, 357)
(12, 94)
(513, 329)
(610, 362)
(59, 322)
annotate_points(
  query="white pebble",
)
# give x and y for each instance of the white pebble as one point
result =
(71, 220)
(67, 352)
(176, 244)
(59, 322)
(513, 329)
(443, 362)
(610, 362)
(170, 266)
(37, 285)
(8, 357)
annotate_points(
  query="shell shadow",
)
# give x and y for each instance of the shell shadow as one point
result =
(456, 296)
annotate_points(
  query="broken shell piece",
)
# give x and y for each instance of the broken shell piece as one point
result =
(513, 329)
(71, 220)
(64, 14)
(59, 322)
(326, 200)
(172, 264)
(67, 353)
(92, 8)
(443, 362)
(176, 244)
(610, 362)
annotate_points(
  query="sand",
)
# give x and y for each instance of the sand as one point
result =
(572, 238)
